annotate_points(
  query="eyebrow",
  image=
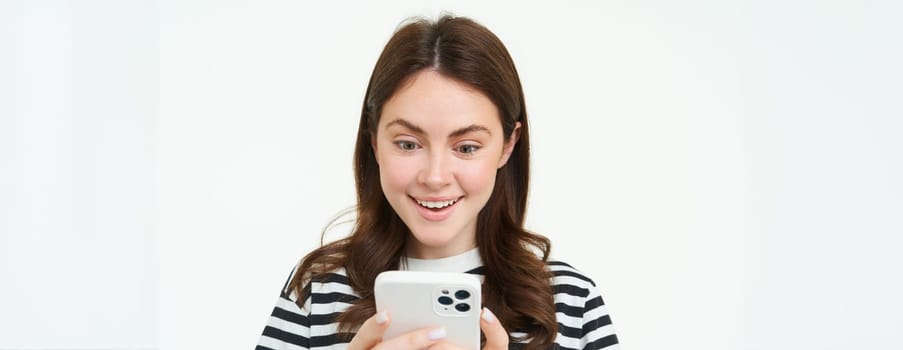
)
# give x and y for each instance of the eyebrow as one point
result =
(459, 132)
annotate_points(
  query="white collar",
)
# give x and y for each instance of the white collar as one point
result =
(463, 262)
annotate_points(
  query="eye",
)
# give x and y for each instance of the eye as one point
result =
(406, 145)
(468, 149)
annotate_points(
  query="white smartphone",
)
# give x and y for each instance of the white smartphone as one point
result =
(416, 299)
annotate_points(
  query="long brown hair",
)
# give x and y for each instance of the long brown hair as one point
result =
(517, 283)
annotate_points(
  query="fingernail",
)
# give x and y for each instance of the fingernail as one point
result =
(488, 316)
(382, 317)
(436, 334)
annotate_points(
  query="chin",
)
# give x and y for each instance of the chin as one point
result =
(433, 239)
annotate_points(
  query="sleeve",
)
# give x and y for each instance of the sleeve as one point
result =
(288, 327)
(598, 331)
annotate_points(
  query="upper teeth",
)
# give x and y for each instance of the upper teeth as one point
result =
(434, 205)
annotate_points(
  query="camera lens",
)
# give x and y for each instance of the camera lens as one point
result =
(462, 294)
(462, 307)
(445, 300)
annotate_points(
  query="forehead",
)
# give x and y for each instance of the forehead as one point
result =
(434, 101)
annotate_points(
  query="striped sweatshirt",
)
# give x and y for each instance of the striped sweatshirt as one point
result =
(583, 320)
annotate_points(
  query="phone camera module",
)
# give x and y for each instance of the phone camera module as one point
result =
(462, 294)
(455, 300)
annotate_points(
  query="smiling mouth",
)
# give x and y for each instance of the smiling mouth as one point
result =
(437, 204)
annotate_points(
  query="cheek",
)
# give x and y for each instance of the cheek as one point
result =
(478, 177)
(395, 173)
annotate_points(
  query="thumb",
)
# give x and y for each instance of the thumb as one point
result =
(496, 336)
(371, 332)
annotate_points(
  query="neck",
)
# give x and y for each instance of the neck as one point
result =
(419, 251)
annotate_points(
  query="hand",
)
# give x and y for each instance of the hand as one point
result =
(369, 336)
(496, 336)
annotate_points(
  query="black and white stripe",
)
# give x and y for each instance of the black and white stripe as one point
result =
(583, 320)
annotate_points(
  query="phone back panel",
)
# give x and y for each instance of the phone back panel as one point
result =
(416, 299)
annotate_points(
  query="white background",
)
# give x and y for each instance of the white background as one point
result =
(726, 171)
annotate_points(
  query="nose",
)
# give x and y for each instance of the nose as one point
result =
(437, 173)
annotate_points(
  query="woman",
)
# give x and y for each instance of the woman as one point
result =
(441, 169)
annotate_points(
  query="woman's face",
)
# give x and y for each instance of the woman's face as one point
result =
(438, 145)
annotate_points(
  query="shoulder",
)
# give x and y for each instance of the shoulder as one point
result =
(583, 318)
(310, 322)
(567, 276)
(329, 287)
(572, 288)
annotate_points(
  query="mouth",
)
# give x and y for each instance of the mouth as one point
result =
(436, 209)
(436, 204)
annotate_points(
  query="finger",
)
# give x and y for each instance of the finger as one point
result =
(496, 336)
(371, 332)
(444, 345)
(419, 339)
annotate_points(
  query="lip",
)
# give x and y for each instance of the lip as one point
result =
(436, 199)
(433, 214)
